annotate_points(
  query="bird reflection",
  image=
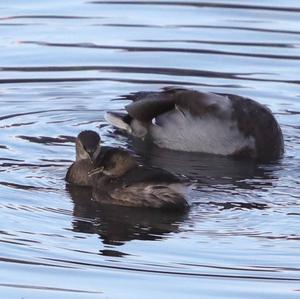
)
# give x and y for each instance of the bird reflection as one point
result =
(206, 169)
(116, 225)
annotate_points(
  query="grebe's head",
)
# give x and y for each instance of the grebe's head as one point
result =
(115, 163)
(87, 145)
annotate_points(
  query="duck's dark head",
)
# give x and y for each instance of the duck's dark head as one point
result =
(87, 145)
(117, 162)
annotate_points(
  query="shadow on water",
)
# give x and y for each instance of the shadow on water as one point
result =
(116, 225)
(204, 169)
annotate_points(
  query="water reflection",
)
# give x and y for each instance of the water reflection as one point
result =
(116, 225)
(203, 169)
(243, 225)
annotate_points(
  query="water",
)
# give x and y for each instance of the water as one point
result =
(61, 64)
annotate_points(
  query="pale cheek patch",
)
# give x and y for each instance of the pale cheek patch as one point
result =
(81, 154)
(97, 152)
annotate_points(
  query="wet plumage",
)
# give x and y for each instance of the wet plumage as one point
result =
(116, 178)
(87, 149)
(122, 181)
(189, 120)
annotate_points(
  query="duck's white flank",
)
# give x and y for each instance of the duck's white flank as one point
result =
(208, 134)
(179, 130)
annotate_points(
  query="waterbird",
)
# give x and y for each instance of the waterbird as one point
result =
(194, 121)
(87, 149)
(117, 178)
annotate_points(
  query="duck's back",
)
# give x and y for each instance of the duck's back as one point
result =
(144, 188)
(212, 123)
(141, 174)
(143, 195)
(189, 120)
(200, 122)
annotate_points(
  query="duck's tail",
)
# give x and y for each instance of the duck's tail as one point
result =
(168, 197)
(119, 120)
(126, 123)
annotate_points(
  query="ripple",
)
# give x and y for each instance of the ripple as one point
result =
(46, 288)
(32, 112)
(17, 125)
(60, 140)
(67, 64)
(43, 17)
(179, 273)
(242, 28)
(264, 44)
(166, 49)
(87, 79)
(203, 4)
(138, 70)
(25, 187)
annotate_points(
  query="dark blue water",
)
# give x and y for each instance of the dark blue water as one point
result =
(61, 65)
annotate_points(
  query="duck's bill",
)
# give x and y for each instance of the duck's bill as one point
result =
(96, 171)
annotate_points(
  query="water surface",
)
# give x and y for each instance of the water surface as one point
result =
(62, 63)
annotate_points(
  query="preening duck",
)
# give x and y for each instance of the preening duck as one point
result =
(117, 178)
(194, 121)
(88, 149)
